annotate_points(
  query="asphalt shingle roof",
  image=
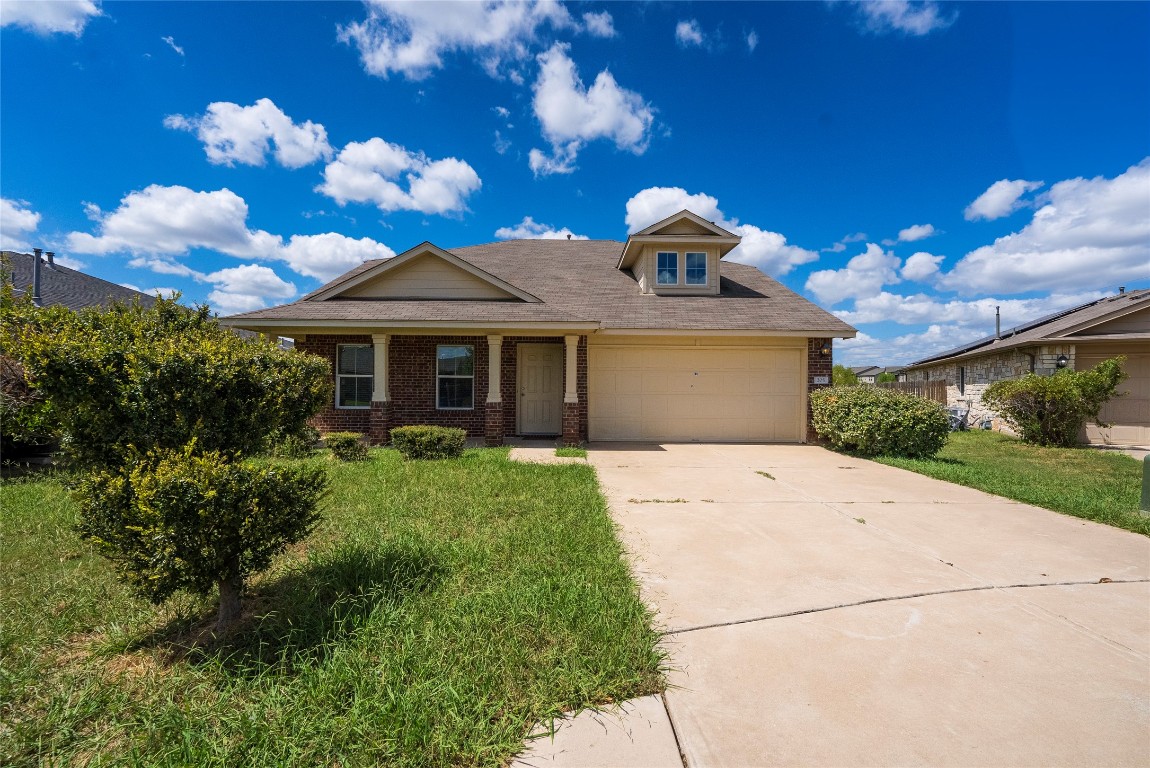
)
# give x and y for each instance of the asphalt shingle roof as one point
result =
(60, 285)
(577, 281)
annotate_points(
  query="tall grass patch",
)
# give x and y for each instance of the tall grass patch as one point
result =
(440, 609)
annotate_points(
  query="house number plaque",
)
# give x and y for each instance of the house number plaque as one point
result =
(822, 379)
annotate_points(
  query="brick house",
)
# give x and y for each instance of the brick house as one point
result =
(654, 339)
(1077, 339)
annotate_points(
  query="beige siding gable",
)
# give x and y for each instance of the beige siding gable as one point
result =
(1135, 322)
(684, 227)
(427, 277)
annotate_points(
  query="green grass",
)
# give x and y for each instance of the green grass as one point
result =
(571, 452)
(1086, 483)
(440, 610)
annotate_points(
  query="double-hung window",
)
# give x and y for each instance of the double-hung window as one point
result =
(454, 377)
(667, 268)
(696, 268)
(354, 375)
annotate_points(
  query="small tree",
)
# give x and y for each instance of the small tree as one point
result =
(1051, 410)
(160, 405)
(841, 376)
(886, 378)
(176, 520)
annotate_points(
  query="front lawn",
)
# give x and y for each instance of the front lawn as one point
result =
(1104, 487)
(440, 610)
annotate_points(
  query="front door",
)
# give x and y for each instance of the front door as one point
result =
(540, 381)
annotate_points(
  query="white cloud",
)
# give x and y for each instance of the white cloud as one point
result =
(863, 276)
(912, 18)
(531, 229)
(411, 38)
(920, 309)
(920, 267)
(503, 112)
(599, 24)
(841, 245)
(170, 220)
(752, 40)
(247, 287)
(17, 221)
(1000, 199)
(158, 224)
(46, 18)
(688, 33)
(865, 349)
(371, 172)
(1088, 234)
(768, 251)
(329, 255)
(233, 134)
(572, 115)
(501, 143)
(916, 232)
(172, 44)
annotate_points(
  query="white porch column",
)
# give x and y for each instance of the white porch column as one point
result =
(570, 390)
(380, 393)
(494, 369)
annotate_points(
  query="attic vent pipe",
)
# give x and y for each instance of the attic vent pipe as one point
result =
(997, 324)
(36, 277)
(1121, 290)
(51, 258)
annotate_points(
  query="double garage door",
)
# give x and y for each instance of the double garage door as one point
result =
(1129, 415)
(694, 393)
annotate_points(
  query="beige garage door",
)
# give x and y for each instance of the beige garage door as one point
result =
(695, 393)
(1129, 416)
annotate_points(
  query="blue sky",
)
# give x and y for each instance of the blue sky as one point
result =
(908, 166)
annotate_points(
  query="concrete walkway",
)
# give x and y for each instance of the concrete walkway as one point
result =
(823, 610)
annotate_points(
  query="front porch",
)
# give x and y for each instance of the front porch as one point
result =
(492, 386)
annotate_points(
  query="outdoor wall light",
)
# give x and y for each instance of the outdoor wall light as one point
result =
(1062, 361)
(825, 349)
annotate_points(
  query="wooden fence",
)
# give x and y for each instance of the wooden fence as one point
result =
(933, 390)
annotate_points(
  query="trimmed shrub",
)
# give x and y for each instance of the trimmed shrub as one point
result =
(1051, 410)
(872, 421)
(173, 520)
(427, 442)
(346, 446)
(296, 446)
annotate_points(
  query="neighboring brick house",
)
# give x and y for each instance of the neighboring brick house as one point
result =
(1076, 339)
(654, 339)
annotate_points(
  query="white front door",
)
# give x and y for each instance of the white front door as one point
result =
(540, 380)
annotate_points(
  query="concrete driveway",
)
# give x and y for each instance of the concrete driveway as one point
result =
(823, 610)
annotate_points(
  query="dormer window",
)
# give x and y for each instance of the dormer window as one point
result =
(696, 268)
(667, 268)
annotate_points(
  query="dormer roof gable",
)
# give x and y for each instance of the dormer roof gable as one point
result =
(681, 229)
(424, 272)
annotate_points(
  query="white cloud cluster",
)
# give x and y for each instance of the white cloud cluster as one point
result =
(1087, 234)
(916, 232)
(158, 224)
(17, 222)
(1001, 198)
(411, 38)
(766, 250)
(862, 277)
(233, 134)
(841, 245)
(906, 16)
(689, 34)
(752, 39)
(371, 172)
(920, 309)
(171, 41)
(529, 229)
(920, 267)
(67, 17)
(572, 114)
(865, 349)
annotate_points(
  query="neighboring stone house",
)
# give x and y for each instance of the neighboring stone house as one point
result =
(1076, 339)
(868, 374)
(654, 339)
(62, 286)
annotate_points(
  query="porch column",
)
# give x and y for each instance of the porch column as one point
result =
(493, 425)
(571, 392)
(380, 417)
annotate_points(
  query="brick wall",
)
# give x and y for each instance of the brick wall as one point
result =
(412, 385)
(818, 364)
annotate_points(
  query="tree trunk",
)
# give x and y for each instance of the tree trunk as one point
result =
(230, 587)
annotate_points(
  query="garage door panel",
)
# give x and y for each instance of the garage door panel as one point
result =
(1128, 415)
(695, 393)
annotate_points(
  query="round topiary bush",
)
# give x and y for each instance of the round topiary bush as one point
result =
(873, 421)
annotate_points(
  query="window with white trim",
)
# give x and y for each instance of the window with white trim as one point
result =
(354, 379)
(454, 377)
(696, 268)
(666, 268)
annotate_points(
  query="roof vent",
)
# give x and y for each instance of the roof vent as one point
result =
(997, 324)
(568, 237)
(1121, 290)
(51, 258)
